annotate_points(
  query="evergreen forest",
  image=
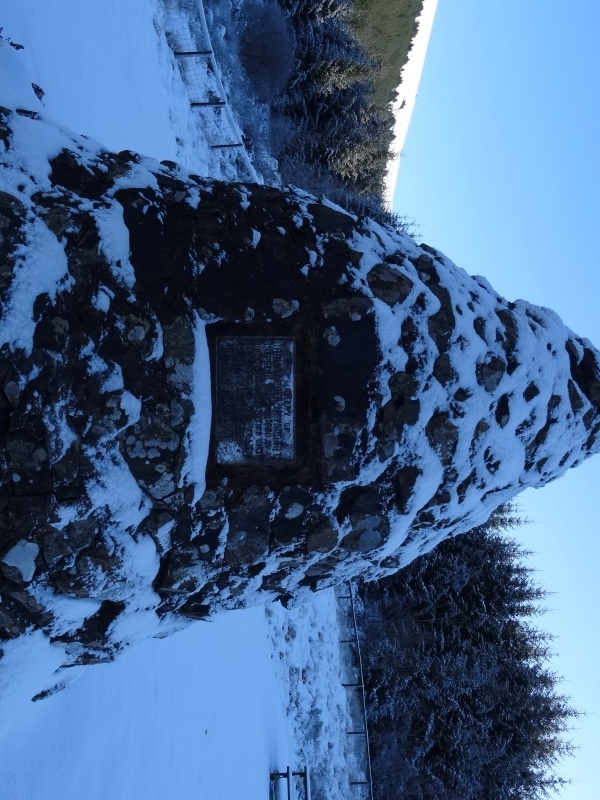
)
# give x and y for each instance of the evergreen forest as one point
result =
(462, 702)
(329, 105)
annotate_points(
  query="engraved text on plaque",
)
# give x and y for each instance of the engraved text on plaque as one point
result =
(255, 399)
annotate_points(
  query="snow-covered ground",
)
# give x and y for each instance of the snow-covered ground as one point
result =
(199, 714)
(208, 711)
(107, 71)
(204, 714)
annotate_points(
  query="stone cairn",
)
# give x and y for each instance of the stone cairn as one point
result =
(414, 400)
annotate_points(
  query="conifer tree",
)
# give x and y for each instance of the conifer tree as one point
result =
(461, 702)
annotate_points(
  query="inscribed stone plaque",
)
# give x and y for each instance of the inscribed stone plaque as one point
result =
(255, 399)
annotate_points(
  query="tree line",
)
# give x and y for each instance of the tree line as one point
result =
(327, 131)
(462, 703)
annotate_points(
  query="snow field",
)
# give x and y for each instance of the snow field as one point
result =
(198, 714)
(108, 72)
(306, 644)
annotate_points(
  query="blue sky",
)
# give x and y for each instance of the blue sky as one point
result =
(501, 171)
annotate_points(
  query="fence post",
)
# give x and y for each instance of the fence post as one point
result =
(199, 44)
(361, 686)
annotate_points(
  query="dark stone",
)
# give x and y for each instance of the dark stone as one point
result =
(366, 513)
(320, 571)
(142, 334)
(322, 539)
(30, 468)
(66, 468)
(30, 609)
(440, 499)
(575, 398)
(12, 575)
(389, 285)
(57, 218)
(490, 372)
(12, 217)
(585, 372)
(111, 418)
(12, 393)
(479, 328)
(151, 450)
(179, 343)
(464, 485)
(461, 395)
(401, 410)
(94, 631)
(440, 324)
(502, 413)
(89, 574)
(368, 535)
(532, 391)
(326, 217)
(443, 435)
(406, 480)
(250, 532)
(68, 172)
(297, 510)
(352, 308)
(11, 625)
(61, 546)
(510, 337)
(443, 371)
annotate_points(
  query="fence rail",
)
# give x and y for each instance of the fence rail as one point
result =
(353, 682)
(189, 38)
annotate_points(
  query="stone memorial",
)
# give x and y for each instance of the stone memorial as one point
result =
(214, 395)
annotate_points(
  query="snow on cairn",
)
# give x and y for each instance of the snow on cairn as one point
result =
(413, 401)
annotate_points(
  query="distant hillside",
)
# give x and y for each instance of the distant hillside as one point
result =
(386, 29)
(330, 120)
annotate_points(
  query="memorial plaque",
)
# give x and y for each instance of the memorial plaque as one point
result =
(255, 400)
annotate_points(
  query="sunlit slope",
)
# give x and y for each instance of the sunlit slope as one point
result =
(387, 28)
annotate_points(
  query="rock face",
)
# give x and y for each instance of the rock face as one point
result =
(213, 395)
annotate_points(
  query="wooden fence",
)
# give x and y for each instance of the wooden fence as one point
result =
(188, 35)
(353, 681)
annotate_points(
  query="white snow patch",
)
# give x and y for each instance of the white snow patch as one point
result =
(196, 715)
(116, 488)
(102, 299)
(198, 432)
(114, 242)
(41, 268)
(132, 406)
(22, 556)
(324, 201)
(16, 90)
(114, 380)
